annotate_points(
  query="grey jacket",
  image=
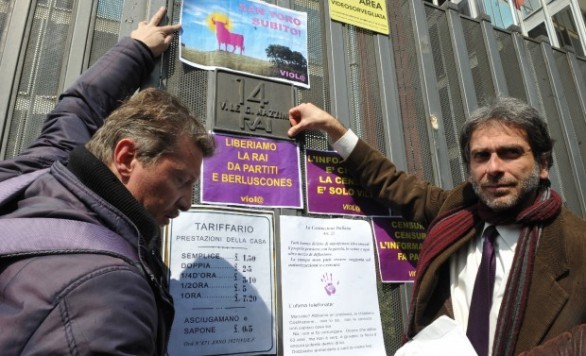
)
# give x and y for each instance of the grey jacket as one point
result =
(72, 303)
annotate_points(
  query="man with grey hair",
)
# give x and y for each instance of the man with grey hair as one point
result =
(502, 256)
(111, 196)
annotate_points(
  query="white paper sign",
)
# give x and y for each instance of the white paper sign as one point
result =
(442, 337)
(330, 303)
(222, 282)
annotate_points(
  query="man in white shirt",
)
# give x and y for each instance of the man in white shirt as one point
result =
(538, 270)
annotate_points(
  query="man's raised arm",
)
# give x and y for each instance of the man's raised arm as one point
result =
(82, 108)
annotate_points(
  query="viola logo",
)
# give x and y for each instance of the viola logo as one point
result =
(292, 75)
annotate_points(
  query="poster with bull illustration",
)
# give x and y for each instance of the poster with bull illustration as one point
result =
(246, 36)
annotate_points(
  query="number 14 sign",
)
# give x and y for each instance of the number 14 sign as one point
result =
(252, 106)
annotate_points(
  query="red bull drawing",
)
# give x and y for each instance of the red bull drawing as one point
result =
(246, 36)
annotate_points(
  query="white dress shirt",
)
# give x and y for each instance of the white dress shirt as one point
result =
(464, 264)
(345, 144)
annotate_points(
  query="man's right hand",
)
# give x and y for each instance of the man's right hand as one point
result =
(307, 116)
(156, 38)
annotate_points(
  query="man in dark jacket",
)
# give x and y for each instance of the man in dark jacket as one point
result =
(538, 249)
(135, 174)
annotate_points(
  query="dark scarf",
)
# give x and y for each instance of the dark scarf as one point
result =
(451, 226)
(98, 177)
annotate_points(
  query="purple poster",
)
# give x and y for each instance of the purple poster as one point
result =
(398, 242)
(331, 190)
(252, 172)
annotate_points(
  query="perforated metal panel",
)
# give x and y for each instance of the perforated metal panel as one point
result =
(448, 87)
(42, 71)
(577, 116)
(410, 91)
(317, 67)
(526, 54)
(478, 61)
(561, 155)
(365, 108)
(106, 28)
(5, 10)
(510, 64)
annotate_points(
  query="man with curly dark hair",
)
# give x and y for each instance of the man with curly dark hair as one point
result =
(505, 217)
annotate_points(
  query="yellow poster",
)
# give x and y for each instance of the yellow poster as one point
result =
(368, 14)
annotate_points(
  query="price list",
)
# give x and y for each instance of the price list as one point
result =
(222, 282)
